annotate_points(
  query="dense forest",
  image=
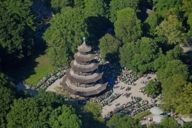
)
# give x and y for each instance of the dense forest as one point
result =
(140, 35)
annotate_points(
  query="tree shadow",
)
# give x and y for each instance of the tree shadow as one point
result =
(111, 72)
(97, 26)
(88, 121)
(24, 68)
(143, 6)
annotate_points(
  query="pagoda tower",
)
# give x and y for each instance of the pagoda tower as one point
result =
(83, 78)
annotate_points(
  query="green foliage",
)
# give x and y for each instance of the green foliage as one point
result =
(172, 54)
(172, 29)
(153, 88)
(95, 7)
(184, 98)
(30, 112)
(187, 125)
(64, 35)
(189, 22)
(187, 6)
(95, 109)
(64, 117)
(163, 6)
(122, 121)
(152, 22)
(79, 3)
(15, 30)
(27, 112)
(109, 46)
(57, 5)
(174, 67)
(169, 123)
(153, 125)
(116, 5)
(127, 26)
(173, 78)
(6, 98)
(139, 56)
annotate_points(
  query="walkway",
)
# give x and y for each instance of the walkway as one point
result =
(120, 88)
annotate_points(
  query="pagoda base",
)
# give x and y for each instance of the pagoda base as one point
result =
(82, 91)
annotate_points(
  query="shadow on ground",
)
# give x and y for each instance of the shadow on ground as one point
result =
(24, 69)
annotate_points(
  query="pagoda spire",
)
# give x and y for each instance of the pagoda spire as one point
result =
(84, 40)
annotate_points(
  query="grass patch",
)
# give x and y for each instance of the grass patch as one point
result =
(32, 70)
(42, 68)
(140, 115)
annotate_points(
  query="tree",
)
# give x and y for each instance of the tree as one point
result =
(152, 22)
(169, 123)
(153, 88)
(127, 26)
(109, 46)
(6, 98)
(173, 78)
(79, 3)
(163, 6)
(186, 6)
(26, 113)
(64, 35)
(57, 5)
(95, 7)
(172, 29)
(184, 105)
(64, 117)
(95, 109)
(116, 5)
(173, 67)
(189, 22)
(187, 125)
(139, 56)
(173, 54)
(15, 30)
(123, 121)
(33, 111)
(153, 125)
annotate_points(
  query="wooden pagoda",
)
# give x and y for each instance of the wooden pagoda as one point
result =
(83, 78)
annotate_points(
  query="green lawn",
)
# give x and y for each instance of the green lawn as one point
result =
(42, 68)
(32, 70)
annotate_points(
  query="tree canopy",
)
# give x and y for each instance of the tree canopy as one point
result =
(15, 30)
(122, 121)
(6, 98)
(116, 5)
(109, 47)
(64, 117)
(95, 7)
(169, 123)
(140, 56)
(57, 5)
(127, 26)
(153, 88)
(65, 34)
(43, 110)
(172, 29)
(163, 6)
(152, 22)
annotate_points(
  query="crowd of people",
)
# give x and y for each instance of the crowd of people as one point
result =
(49, 79)
(127, 76)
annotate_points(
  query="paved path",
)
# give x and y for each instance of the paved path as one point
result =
(53, 87)
(135, 91)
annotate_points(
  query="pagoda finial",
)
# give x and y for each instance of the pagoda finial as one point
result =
(84, 40)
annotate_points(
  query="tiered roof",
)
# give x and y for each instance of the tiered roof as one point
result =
(83, 78)
(84, 48)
